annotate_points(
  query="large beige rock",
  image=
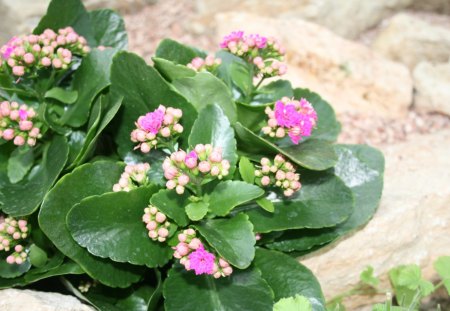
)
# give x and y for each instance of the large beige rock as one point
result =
(410, 40)
(347, 74)
(412, 224)
(14, 299)
(432, 85)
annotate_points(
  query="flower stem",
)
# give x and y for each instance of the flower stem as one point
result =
(259, 83)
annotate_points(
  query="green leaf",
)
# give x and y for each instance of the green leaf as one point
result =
(109, 29)
(243, 290)
(405, 280)
(442, 267)
(384, 307)
(287, 277)
(10, 271)
(229, 194)
(19, 163)
(91, 78)
(312, 154)
(64, 269)
(232, 238)
(62, 95)
(176, 52)
(76, 140)
(251, 117)
(197, 210)
(247, 170)
(224, 70)
(143, 90)
(172, 205)
(293, 304)
(25, 197)
(328, 127)
(266, 204)
(38, 257)
(272, 92)
(367, 277)
(323, 201)
(205, 89)
(110, 226)
(242, 77)
(171, 71)
(85, 181)
(212, 127)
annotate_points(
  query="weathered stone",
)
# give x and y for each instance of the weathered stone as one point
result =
(439, 6)
(412, 224)
(410, 40)
(14, 299)
(347, 74)
(432, 85)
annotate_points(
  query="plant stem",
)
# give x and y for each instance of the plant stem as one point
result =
(259, 83)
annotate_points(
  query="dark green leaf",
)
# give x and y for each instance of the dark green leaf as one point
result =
(172, 204)
(108, 29)
(272, 92)
(287, 277)
(62, 95)
(25, 197)
(76, 140)
(10, 271)
(38, 257)
(19, 163)
(252, 117)
(110, 226)
(247, 170)
(243, 290)
(242, 77)
(224, 70)
(66, 268)
(86, 180)
(266, 204)
(229, 194)
(196, 210)
(232, 238)
(176, 52)
(171, 71)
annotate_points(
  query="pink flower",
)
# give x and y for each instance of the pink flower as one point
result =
(286, 115)
(152, 121)
(23, 114)
(259, 41)
(235, 36)
(9, 47)
(191, 159)
(201, 261)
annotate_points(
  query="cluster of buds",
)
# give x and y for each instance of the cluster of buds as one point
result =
(134, 175)
(156, 128)
(193, 256)
(265, 53)
(203, 162)
(50, 49)
(297, 118)
(156, 223)
(16, 124)
(210, 63)
(280, 173)
(12, 234)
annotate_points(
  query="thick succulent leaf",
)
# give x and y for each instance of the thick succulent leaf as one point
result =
(287, 277)
(9, 271)
(108, 29)
(110, 226)
(243, 290)
(272, 92)
(86, 180)
(24, 198)
(19, 163)
(172, 205)
(171, 71)
(176, 52)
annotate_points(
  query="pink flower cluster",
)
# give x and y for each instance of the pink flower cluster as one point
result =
(292, 117)
(210, 63)
(157, 224)
(12, 234)
(16, 124)
(135, 175)
(204, 161)
(265, 53)
(50, 49)
(280, 173)
(157, 127)
(193, 256)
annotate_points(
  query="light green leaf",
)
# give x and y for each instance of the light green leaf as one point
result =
(197, 210)
(19, 163)
(172, 205)
(38, 257)
(266, 204)
(176, 52)
(442, 266)
(64, 96)
(171, 71)
(247, 170)
(296, 303)
(367, 277)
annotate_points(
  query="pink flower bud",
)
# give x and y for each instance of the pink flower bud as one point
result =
(145, 148)
(182, 249)
(180, 156)
(215, 171)
(195, 243)
(19, 141)
(178, 128)
(163, 232)
(204, 167)
(8, 134)
(280, 175)
(171, 184)
(34, 132)
(10, 230)
(18, 70)
(18, 248)
(265, 180)
(179, 189)
(19, 260)
(199, 148)
(10, 259)
(295, 185)
(28, 58)
(16, 235)
(160, 217)
(57, 63)
(190, 231)
(182, 237)
(177, 113)
(5, 242)
(227, 270)
(288, 192)
(153, 234)
(46, 62)
(223, 263)
(25, 125)
(168, 119)
(215, 156)
(165, 132)
(183, 180)
(170, 173)
(151, 225)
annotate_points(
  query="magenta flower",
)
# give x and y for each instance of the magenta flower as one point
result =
(286, 115)
(260, 41)
(191, 159)
(152, 121)
(202, 261)
(23, 114)
(8, 48)
(235, 36)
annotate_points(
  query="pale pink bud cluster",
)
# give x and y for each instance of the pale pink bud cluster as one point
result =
(280, 173)
(203, 162)
(265, 53)
(12, 235)
(193, 256)
(156, 128)
(296, 118)
(134, 175)
(156, 224)
(16, 124)
(29, 53)
(210, 63)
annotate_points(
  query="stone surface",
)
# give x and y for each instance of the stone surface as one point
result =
(347, 74)
(412, 224)
(432, 87)
(410, 40)
(14, 299)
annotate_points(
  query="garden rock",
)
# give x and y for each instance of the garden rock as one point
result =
(347, 74)
(432, 85)
(14, 299)
(410, 40)
(411, 225)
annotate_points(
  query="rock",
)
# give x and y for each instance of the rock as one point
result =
(412, 224)
(440, 6)
(347, 18)
(347, 74)
(432, 85)
(14, 299)
(410, 40)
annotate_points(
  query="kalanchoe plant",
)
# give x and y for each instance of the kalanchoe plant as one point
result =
(208, 182)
